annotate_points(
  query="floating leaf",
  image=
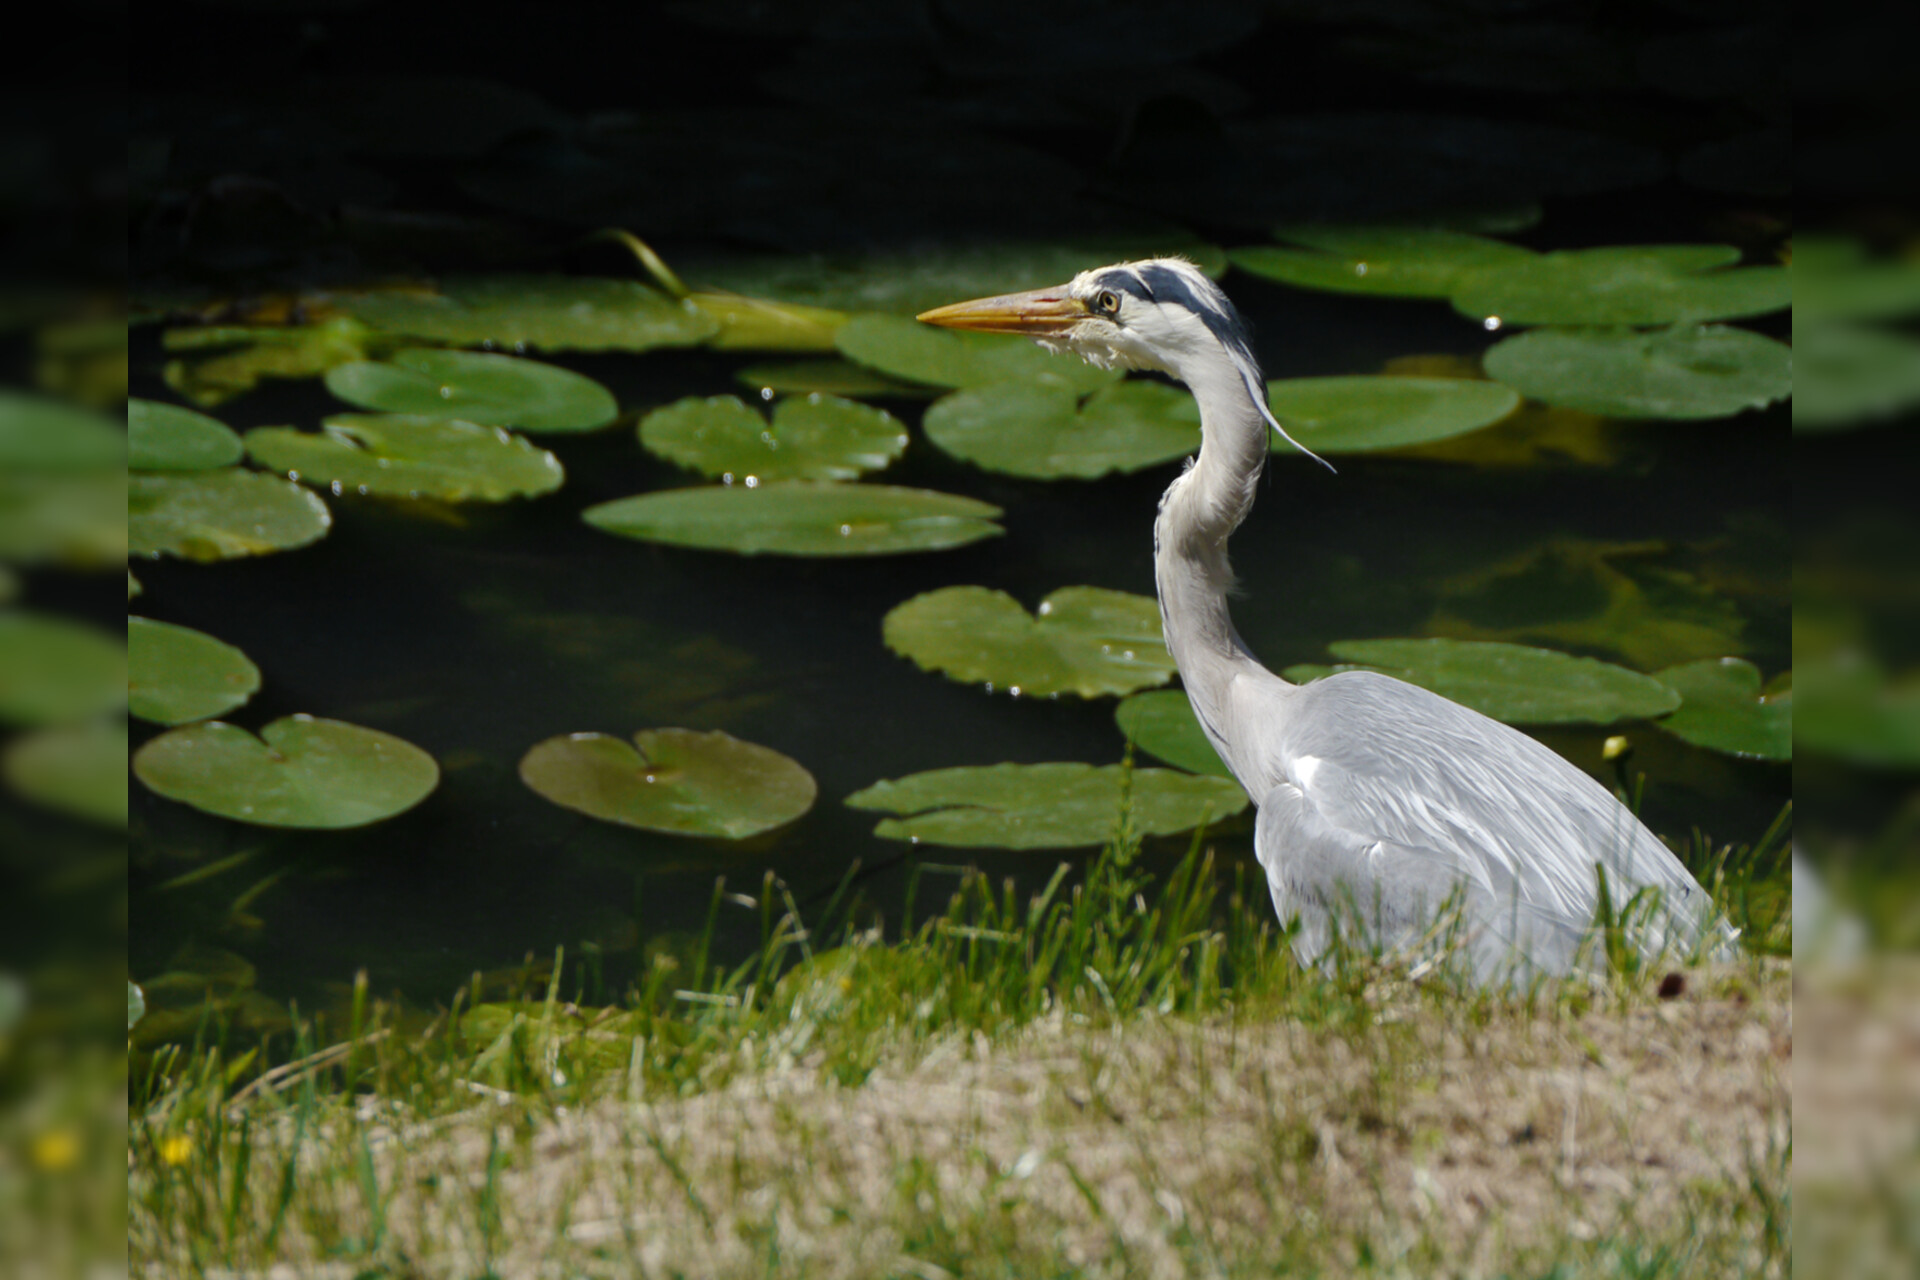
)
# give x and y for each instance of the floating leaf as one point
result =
(1162, 722)
(1653, 284)
(815, 438)
(1848, 375)
(1706, 371)
(215, 515)
(1387, 261)
(79, 769)
(176, 674)
(1509, 682)
(1362, 413)
(167, 437)
(1044, 806)
(1850, 709)
(551, 312)
(41, 434)
(54, 669)
(800, 518)
(78, 520)
(1836, 281)
(1083, 640)
(680, 781)
(1722, 708)
(833, 377)
(1037, 428)
(917, 352)
(301, 772)
(409, 456)
(231, 359)
(494, 390)
(906, 282)
(755, 324)
(1625, 597)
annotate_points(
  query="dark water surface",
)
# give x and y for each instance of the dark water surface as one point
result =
(476, 632)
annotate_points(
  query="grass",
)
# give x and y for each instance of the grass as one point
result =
(1111, 1077)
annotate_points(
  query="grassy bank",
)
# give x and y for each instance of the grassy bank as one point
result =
(1113, 1077)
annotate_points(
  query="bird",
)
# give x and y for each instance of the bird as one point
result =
(1388, 817)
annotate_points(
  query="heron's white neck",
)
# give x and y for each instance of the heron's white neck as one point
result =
(1200, 509)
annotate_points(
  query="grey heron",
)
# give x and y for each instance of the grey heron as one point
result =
(1386, 812)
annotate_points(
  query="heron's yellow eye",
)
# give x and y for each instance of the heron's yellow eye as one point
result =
(1106, 301)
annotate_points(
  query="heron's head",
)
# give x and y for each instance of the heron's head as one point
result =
(1161, 313)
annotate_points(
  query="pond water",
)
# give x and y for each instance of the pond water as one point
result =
(477, 631)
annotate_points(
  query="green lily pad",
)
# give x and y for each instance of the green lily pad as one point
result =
(680, 781)
(301, 772)
(799, 518)
(1850, 375)
(1385, 261)
(167, 437)
(1508, 682)
(1044, 806)
(1082, 640)
(77, 520)
(216, 515)
(1362, 413)
(1037, 428)
(78, 769)
(226, 360)
(41, 434)
(1851, 709)
(1705, 371)
(53, 669)
(551, 312)
(1652, 284)
(493, 390)
(755, 324)
(831, 377)
(409, 456)
(1836, 281)
(176, 675)
(815, 438)
(906, 282)
(903, 348)
(1722, 708)
(1162, 722)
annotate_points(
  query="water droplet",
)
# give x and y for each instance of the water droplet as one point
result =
(337, 488)
(1490, 323)
(1046, 607)
(446, 392)
(1359, 268)
(726, 477)
(766, 393)
(1014, 689)
(520, 348)
(753, 482)
(846, 531)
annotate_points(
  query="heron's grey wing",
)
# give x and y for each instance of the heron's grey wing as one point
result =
(1402, 898)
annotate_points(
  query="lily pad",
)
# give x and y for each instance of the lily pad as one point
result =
(493, 390)
(53, 669)
(227, 360)
(1383, 260)
(1038, 429)
(409, 456)
(301, 772)
(1852, 709)
(680, 781)
(551, 312)
(1082, 640)
(78, 769)
(167, 437)
(799, 518)
(1508, 682)
(176, 675)
(77, 520)
(832, 377)
(1623, 285)
(1723, 708)
(1850, 375)
(755, 324)
(1162, 722)
(907, 349)
(216, 515)
(815, 438)
(1363, 413)
(1044, 806)
(1704, 371)
(41, 434)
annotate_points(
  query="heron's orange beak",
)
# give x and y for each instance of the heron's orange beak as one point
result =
(1040, 313)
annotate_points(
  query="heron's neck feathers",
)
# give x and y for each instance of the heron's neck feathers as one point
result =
(1200, 510)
